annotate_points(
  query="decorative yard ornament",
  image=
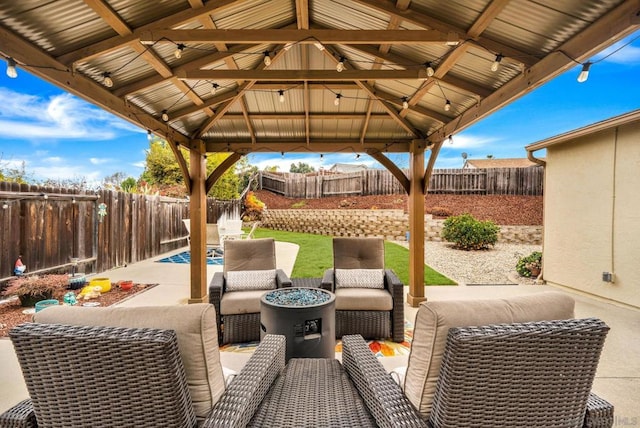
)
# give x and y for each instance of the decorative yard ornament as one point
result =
(102, 210)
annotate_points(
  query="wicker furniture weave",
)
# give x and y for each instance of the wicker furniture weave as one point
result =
(243, 255)
(536, 374)
(366, 253)
(114, 376)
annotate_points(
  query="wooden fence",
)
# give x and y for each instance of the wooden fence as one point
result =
(490, 181)
(50, 226)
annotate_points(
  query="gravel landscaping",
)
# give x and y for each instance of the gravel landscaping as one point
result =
(494, 266)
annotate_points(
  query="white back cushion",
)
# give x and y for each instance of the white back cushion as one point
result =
(359, 278)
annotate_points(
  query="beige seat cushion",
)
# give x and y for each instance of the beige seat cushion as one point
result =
(363, 299)
(195, 326)
(241, 302)
(435, 318)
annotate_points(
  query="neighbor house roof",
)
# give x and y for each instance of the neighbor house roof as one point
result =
(498, 163)
(347, 167)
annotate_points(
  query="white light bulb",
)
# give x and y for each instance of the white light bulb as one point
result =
(447, 106)
(340, 65)
(267, 59)
(281, 96)
(178, 52)
(336, 102)
(584, 73)
(149, 136)
(405, 103)
(496, 62)
(107, 81)
(430, 70)
(214, 88)
(5, 206)
(11, 68)
(165, 116)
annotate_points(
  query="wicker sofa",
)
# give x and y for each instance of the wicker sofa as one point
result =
(369, 298)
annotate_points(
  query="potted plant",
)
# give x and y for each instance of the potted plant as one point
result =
(33, 288)
(530, 266)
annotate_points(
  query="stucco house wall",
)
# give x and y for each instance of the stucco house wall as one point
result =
(592, 210)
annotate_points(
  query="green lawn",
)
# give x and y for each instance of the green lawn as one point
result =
(316, 255)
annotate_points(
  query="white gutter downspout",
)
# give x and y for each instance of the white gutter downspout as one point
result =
(543, 164)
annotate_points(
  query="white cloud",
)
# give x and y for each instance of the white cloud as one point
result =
(467, 141)
(61, 116)
(99, 161)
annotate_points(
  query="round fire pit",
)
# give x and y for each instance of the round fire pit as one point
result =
(305, 316)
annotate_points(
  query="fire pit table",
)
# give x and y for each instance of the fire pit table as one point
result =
(305, 316)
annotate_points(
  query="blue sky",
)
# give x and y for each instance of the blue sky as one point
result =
(60, 136)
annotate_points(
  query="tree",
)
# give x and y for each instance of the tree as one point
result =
(162, 171)
(301, 168)
(14, 174)
(128, 185)
(114, 181)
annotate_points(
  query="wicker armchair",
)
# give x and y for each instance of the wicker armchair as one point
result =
(238, 307)
(86, 376)
(364, 309)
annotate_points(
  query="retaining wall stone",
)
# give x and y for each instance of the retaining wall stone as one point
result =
(391, 225)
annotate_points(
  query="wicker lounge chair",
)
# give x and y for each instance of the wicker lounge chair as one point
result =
(373, 309)
(113, 376)
(249, 271)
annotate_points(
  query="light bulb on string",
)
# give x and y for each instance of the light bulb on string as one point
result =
(584, 73)
(496, 62)
(336, 102)
(5, 206)
(429, 68)
(267, 59)
(281, 95)
(450, 139)
(340, 65)
(149, 136)
(11, 68)
(447, 106)
(178, 52)
(165, 116)
(214, 88)
(405, 103)
(107, 80)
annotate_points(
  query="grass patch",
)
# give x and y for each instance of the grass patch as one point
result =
(299, 204)
(316, 255)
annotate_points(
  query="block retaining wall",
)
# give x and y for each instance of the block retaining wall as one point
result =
(388, 224)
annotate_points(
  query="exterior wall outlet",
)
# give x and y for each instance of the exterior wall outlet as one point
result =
(607, 276)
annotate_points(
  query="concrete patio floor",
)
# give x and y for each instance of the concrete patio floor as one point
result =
(617, 379)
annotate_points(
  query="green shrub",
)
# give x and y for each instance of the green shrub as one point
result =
(528, 263)
(467, 233)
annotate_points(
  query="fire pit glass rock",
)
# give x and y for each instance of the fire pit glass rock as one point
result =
(297, 297)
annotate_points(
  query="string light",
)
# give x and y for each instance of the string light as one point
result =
(165, 116)
(178, 52)
(149, 136)
(450, 139)
(281, 95)
(336, 102)
(340, 65)
(214, 88)
(107, 80)
(11, 68)
(447, 106)
(357, 156)
(496, 62)
(405, 103)
(267, 59)
(584, 73)
(430, 70)
(5, 206)
(321, 155)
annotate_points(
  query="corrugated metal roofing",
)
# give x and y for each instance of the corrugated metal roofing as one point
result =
(72, 33)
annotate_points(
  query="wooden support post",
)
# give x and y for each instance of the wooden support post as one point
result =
(198, 216)
(416, 225)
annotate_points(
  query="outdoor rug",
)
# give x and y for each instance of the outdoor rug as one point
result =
(214, 257)
(381, 348)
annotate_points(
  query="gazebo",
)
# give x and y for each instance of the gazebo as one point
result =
(354, 76)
